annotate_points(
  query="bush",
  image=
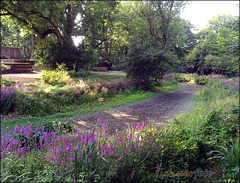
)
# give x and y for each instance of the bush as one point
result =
(77, 74)
(60, 76)
(4, 67)
(6, 82)
(45, 99)
(202, 80)
(8, 97)
(181, 77)
(229, 158)
(145, 65)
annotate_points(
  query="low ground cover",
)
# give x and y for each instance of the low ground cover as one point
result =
(182, 150)
(59, 92)
(109, 103)
(71, 96)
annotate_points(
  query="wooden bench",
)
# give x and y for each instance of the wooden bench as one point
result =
(18, 65)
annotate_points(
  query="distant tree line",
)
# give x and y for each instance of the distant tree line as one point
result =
(144, 38)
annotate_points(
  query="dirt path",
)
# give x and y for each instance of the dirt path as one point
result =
(110, 73)
(159, 109)
(162, 107)
(23, 78)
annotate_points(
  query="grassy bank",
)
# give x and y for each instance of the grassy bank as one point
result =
(109, 103)
(203, 141)
(53, 101)
(118, 100)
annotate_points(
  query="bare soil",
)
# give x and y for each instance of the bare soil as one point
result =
(159, 109)
(22, 78)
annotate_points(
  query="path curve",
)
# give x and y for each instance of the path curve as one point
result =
(160, 108)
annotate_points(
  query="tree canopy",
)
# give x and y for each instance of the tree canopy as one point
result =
(44, 17)
(116, 34)
(218, 47)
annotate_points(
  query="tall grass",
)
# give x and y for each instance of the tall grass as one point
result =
(149, 152)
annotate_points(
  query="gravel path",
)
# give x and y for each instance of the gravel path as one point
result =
(161, 108)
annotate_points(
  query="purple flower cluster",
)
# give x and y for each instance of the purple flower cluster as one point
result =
(167, 76)
(8, 96)
(232, 84)
(66, 150)
(7, 93)
(97, 87)
(118, 84)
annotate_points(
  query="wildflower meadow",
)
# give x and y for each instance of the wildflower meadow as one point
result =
(202, 139)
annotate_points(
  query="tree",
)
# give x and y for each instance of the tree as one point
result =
(155, 30)
(44, 17)
(161, 17)
(97, 27)
(54, 24)
(218, 47)
(146, 65)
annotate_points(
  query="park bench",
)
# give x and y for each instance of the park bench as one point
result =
(12, 57)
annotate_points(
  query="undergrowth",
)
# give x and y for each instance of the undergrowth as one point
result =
(183, 150)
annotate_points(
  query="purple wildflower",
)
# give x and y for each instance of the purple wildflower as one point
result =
(16, 129)
(132, 174)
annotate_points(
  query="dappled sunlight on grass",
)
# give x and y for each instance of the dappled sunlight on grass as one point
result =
(167, 88)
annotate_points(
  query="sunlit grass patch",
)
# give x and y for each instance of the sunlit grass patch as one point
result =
(97, 73)
(110, 77)
(167, 88)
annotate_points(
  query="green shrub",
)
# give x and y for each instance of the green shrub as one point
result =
(228, 154)
(145, 65)
(49, 53)
(34, 106)
(202, 79)
(76, 74)
(181, 77)
(4, 67)
(60, 76)
(55, 126)
(206, 94)
(6, 82)
(8, 97)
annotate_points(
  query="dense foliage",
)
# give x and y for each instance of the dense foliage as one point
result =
(147, 65)
(148, 40)
(218, 47)
(181, 150)
(113, 32)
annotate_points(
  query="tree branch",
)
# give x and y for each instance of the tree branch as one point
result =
(150, 28)
(96, 46)
(40, 35)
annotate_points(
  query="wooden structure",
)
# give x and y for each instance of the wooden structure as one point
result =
(100, 69)
(12, 57)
